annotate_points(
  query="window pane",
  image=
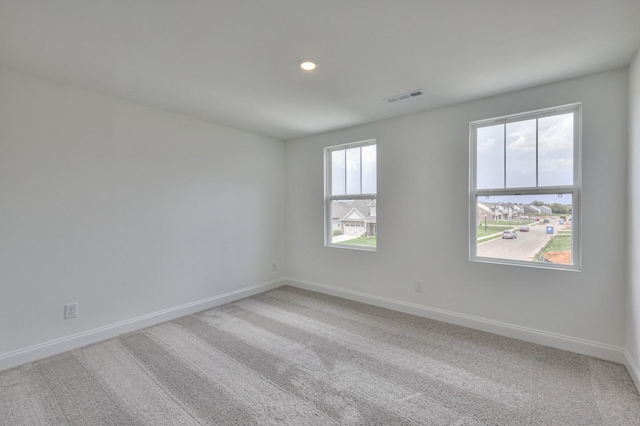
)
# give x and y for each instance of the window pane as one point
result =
(369, 171)
(555, 150)
(353, 171)
(353, 222)
(490, 157)
(535, 228)
(521, 154)
(337, 173)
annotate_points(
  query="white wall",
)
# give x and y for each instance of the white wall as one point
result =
(131, 211)
(633, 298)
(124, 209)
(422, 218)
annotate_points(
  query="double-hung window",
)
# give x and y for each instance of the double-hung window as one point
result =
(351, 196)
(525, 182)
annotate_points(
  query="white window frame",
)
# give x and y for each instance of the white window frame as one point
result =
(330, 198)
(575, 189)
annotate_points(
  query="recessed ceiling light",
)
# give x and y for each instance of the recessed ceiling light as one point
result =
(308, 65)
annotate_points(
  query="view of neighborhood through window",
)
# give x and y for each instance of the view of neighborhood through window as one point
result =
(524, 194)
(542, 224)
(351, 186)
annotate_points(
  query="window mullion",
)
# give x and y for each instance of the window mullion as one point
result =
(504, 155)
(346, 167)
(360, 152)
(537, 152)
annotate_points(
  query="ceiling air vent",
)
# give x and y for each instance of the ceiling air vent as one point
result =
(403, 96)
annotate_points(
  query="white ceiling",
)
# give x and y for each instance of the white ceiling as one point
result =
(235, 62)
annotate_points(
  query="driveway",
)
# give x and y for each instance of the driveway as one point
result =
(341, 238)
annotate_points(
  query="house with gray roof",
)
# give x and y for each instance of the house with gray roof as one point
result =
(354, 217)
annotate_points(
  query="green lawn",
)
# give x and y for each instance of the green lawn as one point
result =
(559, 243)
(515, 222)
(362, 241)
(491, 230)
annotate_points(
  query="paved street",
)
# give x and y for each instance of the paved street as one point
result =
(522, 248)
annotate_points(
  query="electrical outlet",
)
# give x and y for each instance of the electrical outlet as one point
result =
(274, 267)
(418, 286)
(70, 310)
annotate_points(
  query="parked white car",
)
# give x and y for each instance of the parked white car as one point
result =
(510, 234)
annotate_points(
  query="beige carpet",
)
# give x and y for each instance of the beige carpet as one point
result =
(294, 357)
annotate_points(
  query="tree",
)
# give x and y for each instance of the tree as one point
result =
(562, 209)
(537, 203)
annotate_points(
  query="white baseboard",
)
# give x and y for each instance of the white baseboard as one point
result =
(572, 344)
(53, 347)
(632, 367)
(585, 347)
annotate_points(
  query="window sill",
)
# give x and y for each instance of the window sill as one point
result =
(526, 264)
(350, 247)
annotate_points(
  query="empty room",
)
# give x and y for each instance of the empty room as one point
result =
(189, 195)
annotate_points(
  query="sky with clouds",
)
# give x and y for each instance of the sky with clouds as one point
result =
(354, 171)
(515, 142)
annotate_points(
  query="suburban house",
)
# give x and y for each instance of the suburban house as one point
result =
(531, 210)
(357, 217)
(494, 212)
